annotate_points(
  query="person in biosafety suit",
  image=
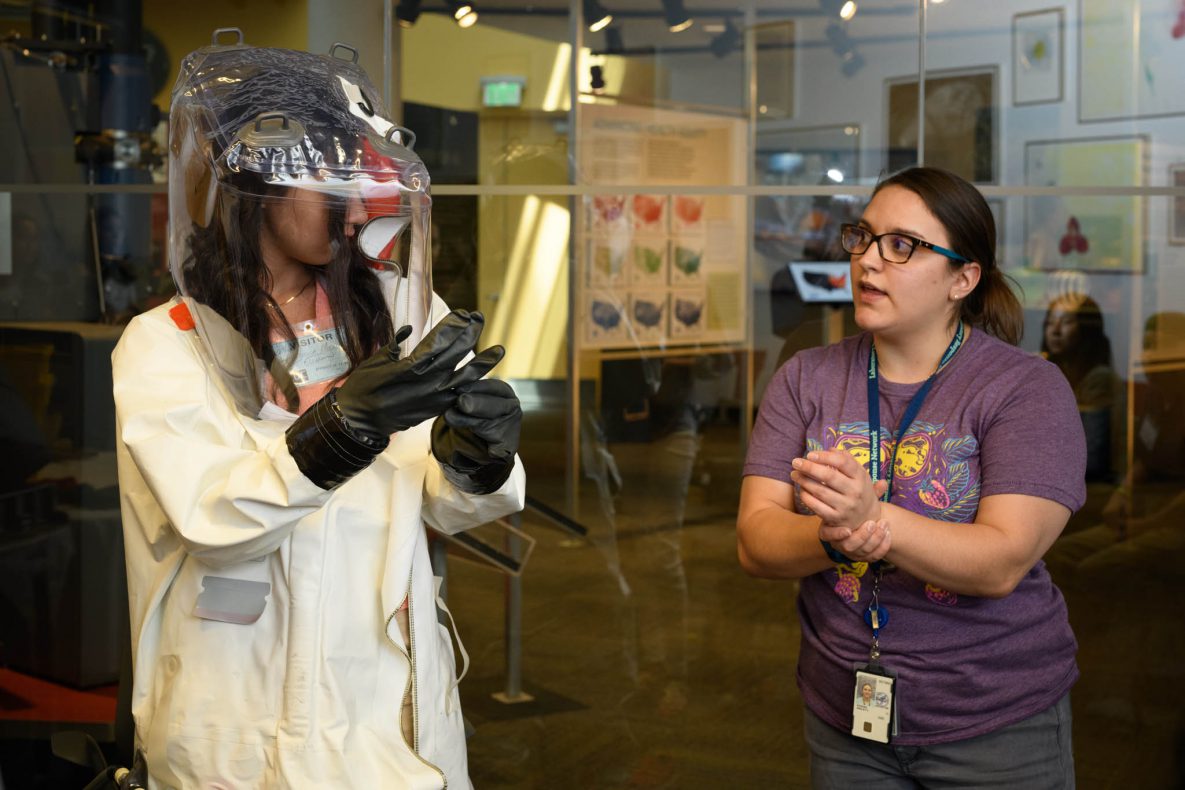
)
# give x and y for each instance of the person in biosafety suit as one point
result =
(286, 426)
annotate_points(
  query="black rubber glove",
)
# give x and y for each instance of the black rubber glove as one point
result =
(341, 434)
(386, 394)
(475, 440)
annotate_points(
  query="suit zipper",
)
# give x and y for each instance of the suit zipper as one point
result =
(412, 685)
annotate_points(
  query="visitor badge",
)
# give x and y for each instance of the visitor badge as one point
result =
(314, 356)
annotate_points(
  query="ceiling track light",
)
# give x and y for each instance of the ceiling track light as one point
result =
(844, 9)
(851, 63)
(407, 12)
(614, 44)
(464, 12)
(726, 41)
(595, 16)
(676, 15)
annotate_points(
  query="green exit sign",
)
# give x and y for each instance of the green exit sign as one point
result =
(502, 91)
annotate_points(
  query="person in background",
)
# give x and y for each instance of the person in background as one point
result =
(1075, 339)
(286, 427)
(912, 477)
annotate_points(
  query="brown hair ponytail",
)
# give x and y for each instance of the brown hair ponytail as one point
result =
(993, 306)
(959, 206)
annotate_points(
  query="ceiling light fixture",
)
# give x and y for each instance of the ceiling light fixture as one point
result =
(676, 15)
(595, 16)
(724, 43)
(848, 10)
(464, 12)
(407, 12)
(851, 61)
(614, 45)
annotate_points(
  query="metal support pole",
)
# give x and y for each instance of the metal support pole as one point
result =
(922, 81)
(439, 561)
(514, 624)
(575, 228)
(388, 25)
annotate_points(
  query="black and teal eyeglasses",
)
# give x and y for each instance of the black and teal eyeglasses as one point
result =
(894, 247)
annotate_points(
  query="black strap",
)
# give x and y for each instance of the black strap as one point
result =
(328, 450)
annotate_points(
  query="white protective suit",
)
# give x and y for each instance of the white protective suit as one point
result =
(308, 695)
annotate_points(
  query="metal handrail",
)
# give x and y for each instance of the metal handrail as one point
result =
(556, 517)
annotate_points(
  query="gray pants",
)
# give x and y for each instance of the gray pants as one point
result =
(1034, 754)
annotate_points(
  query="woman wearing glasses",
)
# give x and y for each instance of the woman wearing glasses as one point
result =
(912, 477)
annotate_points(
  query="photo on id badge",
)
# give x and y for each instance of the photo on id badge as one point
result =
(872, 707)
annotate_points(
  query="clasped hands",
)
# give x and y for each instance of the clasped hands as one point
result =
(840, 491)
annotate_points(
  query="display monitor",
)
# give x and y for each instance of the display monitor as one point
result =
(827, 282)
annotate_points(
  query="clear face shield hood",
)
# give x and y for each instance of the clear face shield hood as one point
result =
(256, 134)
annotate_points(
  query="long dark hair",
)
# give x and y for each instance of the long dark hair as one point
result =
(969, 223)
(1091, 349)
(226, 272)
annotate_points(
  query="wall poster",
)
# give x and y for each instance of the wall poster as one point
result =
(663, 268)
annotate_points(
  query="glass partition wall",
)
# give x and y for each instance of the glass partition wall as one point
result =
(782, 116)
(646, 208)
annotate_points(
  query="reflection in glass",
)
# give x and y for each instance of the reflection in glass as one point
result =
(1074, 339)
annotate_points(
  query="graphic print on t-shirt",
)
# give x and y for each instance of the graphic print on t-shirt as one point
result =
(847, 582)
(932, 476)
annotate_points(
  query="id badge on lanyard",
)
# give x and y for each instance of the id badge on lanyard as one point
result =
(314, 356)
(874, 708)
(874, 714)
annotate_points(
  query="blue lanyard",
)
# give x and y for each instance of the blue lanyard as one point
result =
(911, 412)
(874, 436)
(876, 616)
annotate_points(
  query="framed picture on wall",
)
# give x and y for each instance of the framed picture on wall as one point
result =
(1103, 233)
(961, 126)
(775, 73)
(1177, 205)
(1130, 59)
(1037, 56)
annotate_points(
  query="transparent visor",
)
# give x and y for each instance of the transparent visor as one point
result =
(378, 223)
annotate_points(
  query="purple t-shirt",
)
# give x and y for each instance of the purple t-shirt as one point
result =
(998, 420)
